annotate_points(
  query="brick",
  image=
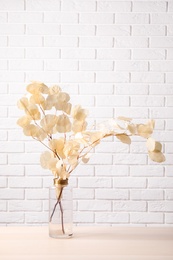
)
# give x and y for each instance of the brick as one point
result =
(113, 6)
(169, 78)
(161, 66)
(162, 18)
(146, 194)
(95, 18)
(148, 54)
(3, 158)
(161, 113)
(151, 7)
(169, 54)
(129, 182)
(161, 89)
(112, 77)
(25, 205)
(132, 112)
(11, 29)
(3, 112)
(169, 30)
(169, 218)
(3, 135)
(146, 170)
(25, 41)
(25, 182)
(130, 159)
(12, 194)
(3, 41)
(169, 195)
(3, 180)
(82, 30)
(83, 217)
(111, 217)
(146, 218)
(113, 54)
(36, 170)
(170, 6)
(43, 53)
(25, 17)
(137, 147)
(49, 76)
(113, 30)
(132, 18)
(146, 30)
(42, 5)
(84, 170)
(129, 206)
(60, 41)
(16, 5)
(147, 77)
(77, 77)
(3, 65)
(96, 205)
(111, 170)
(131, 89)
(168, 148)
(151, 101)
(112, 147)
(162, 206)
(163, 42)
(94, 182)
(12, 170)
(111, 194)
(161, 182)
(131, 65)
(33, 146)
(101, 158)
(78, 53)
(94, 89)
(78, 6)
(61, 65)
(36, 194)
(131, 42)
(60, 18)
(96, 65)
(11, 217)
(3, 17)
(36, 217)
(96, 41)
(23, 158)
(26, 65)
(169, 124)
(83, 193)
(86, 101)
(11, 53)
(40, 29)
(112, 101)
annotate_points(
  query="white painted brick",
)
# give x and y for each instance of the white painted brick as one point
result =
(111, 170)
(169, 30)
(161, 182)
(11, 29)
(11, 194)
(3, 135)
(111, 217)
(129, 182)
(101, 158)
(83, 170)
(29, 205)
(3, 65)
(27, 182)
(113, 101)
(97, 112)
(169, 124)
(94, 89)
(113, 6)
(3, 180)
(131, 89)
(23, 158)
(169, 78)
(168, 148)
(148, 54)
(146, 170)
(3, 41)
(131, 42)
(131, 65)
(147, 77)
(161, 113)
(132, 112)
(78, 53)
(113, 30)
(77, 77)
(60, 41)
(11, 53)
(162, 18)
(112, 77)
(26, 65)
(111, 194)
(12, 170)
(170, 6)
(43, 53)
(95, 18)
(7, 5)
(60, 65)
(94, 182)
(146, 30)
(165, 136)
(36, 217)
(161, 89)
(169, 218)
(43, 29)
(150, 101)
(169, 171)
(48, 76)
(95, 65)
(96, 205)
(149, 6)
(3, 158)
(78, 6)
(11, 217)
(169, 101)
(146, 194)
(169, 54)
(25, 40)
(129, 159)
(129, 206)
(42, 5)
(36, 170)
(82, 30)
(162, 206)
(163, 42)
(36, 194)
(83, 193)
(25, 17)
(83, 217)
(146, 218)
(3, 17)
(95, 41)
(111, 54)
(3, 112)
(137, 147)
(112, 147)
(86, 101)
(132, 18)
(161, 66)
(58, 18)
(169, 194)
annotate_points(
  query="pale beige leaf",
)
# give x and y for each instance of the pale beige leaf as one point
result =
(85, 158)
(31, 130)
(23, 103)
(124, 118)
(36, 87)
(45, 158)
(63, 124)
(24, 121)
(132, 128)
(152, 145)
(33, 111)
(79, 126)
(78, 113)
(157, 156)
(37, 99)
(144, 130)
(124, 138)
(54, 90)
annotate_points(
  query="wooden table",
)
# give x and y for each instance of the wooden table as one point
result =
(87, 243)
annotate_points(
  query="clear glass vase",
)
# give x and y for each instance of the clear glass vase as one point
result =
(60, 211)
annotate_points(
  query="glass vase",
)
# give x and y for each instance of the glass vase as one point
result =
(60, 211)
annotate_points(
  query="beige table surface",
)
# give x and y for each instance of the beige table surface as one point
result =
(88, 243)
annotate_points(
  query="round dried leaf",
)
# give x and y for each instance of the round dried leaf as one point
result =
(152, 145)
(124, 138)
(157, 156)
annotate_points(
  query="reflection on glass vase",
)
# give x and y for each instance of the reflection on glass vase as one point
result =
(60, 210)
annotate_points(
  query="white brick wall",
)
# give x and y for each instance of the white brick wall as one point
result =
(113, 57)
